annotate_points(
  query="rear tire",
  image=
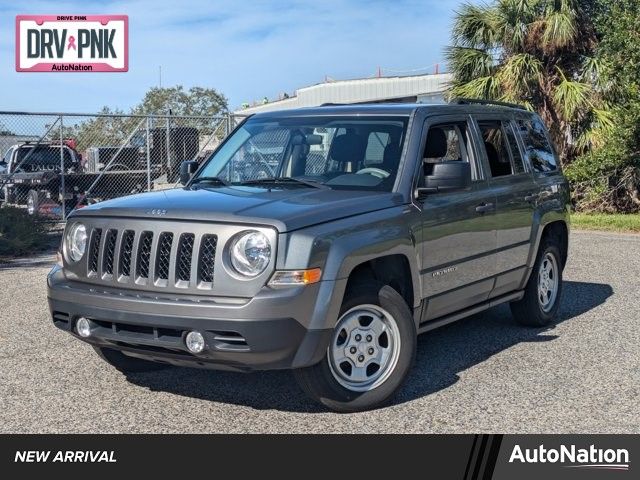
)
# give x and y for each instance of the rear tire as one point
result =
(34, 199)
(542, 294)
(126, 364)
(371, 351)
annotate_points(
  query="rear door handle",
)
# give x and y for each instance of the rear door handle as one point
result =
(532, 197)
(485, 207)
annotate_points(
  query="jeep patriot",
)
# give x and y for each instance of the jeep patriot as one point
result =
(323, 240)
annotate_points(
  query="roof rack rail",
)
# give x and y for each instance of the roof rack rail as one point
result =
(481, 101)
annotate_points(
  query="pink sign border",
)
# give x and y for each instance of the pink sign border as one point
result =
(97, 67)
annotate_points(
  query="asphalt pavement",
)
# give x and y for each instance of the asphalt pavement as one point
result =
(482, 374)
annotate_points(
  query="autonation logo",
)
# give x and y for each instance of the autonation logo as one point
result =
(574, 457)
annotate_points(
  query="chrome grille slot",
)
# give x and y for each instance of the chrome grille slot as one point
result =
(206, 260)
(109, 252)
(163, 257)
(94, 250)
(126, 249)
(185, 253)
(144, 255)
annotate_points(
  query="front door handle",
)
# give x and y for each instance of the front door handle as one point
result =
(485, 207)
(531, 198)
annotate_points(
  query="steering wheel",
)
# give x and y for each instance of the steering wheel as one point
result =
(376, 172)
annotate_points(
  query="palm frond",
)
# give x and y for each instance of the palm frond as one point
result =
(519, 72)
(560, 29)
(571, 96)
(483, 87)
(600, 129)
(469, 63)
(475, 27)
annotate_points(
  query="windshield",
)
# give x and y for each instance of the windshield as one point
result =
(359, 153)
(42, 158)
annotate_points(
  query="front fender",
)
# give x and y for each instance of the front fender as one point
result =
(340, 246)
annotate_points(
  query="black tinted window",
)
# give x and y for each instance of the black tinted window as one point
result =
(518, 165)
(537, 147)
(41, 158)
(496, 148)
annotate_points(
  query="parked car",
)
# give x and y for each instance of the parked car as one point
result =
(420, 215)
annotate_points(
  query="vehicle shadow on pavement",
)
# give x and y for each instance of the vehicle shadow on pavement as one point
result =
(442, 355)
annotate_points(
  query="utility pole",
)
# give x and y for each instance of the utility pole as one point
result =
(160, 75)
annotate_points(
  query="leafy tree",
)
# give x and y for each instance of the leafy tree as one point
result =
(608, 177)
(178, 101)
(540, 53)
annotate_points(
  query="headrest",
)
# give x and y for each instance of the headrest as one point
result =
(348, 147)
(436, 146)
(391, 156)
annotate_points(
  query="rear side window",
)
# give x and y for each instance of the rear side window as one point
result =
(496, 147)
(538, 150)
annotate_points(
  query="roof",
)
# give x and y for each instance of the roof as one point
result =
(390, 109)
(359, 91)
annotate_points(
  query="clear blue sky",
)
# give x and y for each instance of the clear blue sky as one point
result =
(247, 49)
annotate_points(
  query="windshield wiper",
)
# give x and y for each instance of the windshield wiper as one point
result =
(284, 181)
(217, 180)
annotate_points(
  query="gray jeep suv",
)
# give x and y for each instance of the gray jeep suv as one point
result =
(323, 240)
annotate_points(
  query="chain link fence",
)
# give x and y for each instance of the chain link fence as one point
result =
(53, 163)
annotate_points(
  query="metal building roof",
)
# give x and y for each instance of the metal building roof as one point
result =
(361, 90)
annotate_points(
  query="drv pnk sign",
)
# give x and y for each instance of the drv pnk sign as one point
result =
(72, 43)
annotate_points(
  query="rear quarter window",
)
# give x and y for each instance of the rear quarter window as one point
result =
(538, 150)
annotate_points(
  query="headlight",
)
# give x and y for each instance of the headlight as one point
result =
(76, 241)
(250, 253)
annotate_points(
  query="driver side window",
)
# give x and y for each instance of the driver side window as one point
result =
(447, 143)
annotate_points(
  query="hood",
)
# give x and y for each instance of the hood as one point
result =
(286, 209)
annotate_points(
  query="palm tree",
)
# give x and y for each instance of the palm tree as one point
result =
(539, 53)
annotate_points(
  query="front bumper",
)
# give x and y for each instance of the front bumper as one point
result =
(273, 330)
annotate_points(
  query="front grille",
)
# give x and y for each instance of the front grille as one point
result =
(206, 260)
(144, 254)
(125, 253)
(94, 250)
(156, 259)
(185, 252)
(163, 258)
(109, 252)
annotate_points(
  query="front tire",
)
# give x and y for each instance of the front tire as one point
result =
(126, 364)
(370, 354)
(539, 306)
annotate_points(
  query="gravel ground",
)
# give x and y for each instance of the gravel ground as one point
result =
(483, 374)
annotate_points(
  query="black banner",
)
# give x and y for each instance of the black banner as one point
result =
(466, 457)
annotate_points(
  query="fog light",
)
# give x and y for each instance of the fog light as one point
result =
(83, 327)
(195, 342)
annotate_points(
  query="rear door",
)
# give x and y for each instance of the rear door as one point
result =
(458, 227)
(513, 184)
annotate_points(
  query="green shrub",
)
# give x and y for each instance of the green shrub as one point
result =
(21, 233)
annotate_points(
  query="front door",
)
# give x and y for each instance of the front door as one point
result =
(458, 227)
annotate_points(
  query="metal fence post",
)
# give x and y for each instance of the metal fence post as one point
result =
(62, 189)
(148, 155)
(168, 149)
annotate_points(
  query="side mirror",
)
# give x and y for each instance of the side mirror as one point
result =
(446, 176)
(187, 169)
